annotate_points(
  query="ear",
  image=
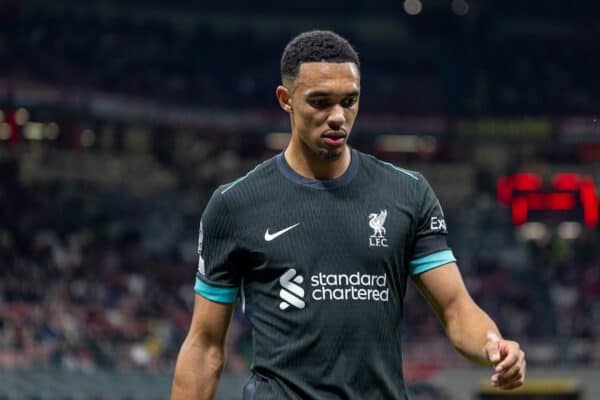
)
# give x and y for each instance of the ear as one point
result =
(284, 98)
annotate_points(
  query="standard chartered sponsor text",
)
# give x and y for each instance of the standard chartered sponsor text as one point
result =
(357, 286)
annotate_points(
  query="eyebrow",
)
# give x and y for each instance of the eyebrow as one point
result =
(321, 93)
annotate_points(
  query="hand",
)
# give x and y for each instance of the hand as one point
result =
(508, 360)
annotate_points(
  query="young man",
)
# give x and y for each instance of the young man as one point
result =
(318, 243)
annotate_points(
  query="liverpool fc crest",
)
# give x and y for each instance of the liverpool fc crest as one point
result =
(376, 221)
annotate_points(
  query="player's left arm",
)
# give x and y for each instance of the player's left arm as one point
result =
(470, 329)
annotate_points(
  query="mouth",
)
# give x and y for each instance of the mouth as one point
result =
(334, 138)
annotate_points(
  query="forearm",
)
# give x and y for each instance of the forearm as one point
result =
(467, 326)
(470, 329)
(198, 371)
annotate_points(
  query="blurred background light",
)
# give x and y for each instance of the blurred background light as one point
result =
(460, 7)
(535, 231)
(88, 138)
(569, 230)
(405, 144)
(21, 116)
(4, 131)
(33, 131)
(412, 7)
(277, 140)
(51, 131)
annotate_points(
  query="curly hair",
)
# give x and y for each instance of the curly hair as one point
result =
(315, 46)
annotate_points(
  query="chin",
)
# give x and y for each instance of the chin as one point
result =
(330, 155)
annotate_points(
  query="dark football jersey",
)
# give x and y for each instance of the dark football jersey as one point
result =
(321, 268)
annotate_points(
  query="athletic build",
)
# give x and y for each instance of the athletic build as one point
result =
(318, 243)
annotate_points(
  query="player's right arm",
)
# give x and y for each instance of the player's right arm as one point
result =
(202, 355)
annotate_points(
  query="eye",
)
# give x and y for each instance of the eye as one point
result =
(318, 102)
(349, 101)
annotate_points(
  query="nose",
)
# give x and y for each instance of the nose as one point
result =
(336, 117)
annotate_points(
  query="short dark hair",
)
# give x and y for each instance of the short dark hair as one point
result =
(315, 46)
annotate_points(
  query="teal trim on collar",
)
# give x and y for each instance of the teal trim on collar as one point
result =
(404, 171)
(238, 180)
(215, 293)
(431, 261)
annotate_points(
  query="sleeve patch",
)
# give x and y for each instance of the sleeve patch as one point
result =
(216, 293)
(420, 265)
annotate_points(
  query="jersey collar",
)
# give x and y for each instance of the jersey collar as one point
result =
(340, 181)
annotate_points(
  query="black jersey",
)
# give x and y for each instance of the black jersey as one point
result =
(320, 268)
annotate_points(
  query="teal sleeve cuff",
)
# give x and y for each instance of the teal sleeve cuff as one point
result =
(431, 261)
(216, 293)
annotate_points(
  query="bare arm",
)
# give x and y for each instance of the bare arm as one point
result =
(202, 354)
(470, 329)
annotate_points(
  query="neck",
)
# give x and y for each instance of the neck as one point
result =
(308, 164)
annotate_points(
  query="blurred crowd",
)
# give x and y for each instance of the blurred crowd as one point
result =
(95, 278)
(485, 62)
(80, 289)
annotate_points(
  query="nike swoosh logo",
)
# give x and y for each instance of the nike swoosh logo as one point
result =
(271, 236)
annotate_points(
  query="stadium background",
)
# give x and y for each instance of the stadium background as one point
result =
(119, 118)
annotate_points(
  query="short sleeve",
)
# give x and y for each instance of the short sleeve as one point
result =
(430, 247)
(217, 278)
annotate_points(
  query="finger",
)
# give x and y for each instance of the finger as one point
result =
(506, 346)
(494, 380)
(516, 382)
(492, 353)
(513, 374)
(510, 375)
(512, 385)
(511, 356)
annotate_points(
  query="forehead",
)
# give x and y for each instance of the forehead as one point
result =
(327, 77)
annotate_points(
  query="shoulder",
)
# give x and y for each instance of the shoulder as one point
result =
(239, 193)
(253, 181)
(387, 170)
